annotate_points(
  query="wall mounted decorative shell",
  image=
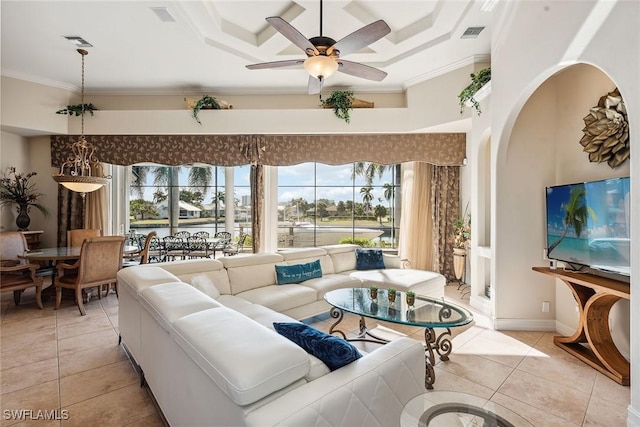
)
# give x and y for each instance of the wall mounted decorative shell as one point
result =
(606, 131)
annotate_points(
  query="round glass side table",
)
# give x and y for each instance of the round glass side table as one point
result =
(450, 408)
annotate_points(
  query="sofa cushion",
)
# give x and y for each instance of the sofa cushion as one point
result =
(267, 317)
(212, 268)
(281, 297)
(202, 283)
(136, 279)
(427, 283)
(300, 256)
(343, 260)
(252, 271)
(369, 259)
(171, 301)
(330, 282)
(297, 273)
(333, 351)
(238, 354)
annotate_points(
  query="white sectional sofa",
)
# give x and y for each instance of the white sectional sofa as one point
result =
(214, 358)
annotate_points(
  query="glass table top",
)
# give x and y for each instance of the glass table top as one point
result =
(426, 312)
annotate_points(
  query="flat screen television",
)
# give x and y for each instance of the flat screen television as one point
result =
(588, 225)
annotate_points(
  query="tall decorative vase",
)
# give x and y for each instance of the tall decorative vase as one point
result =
(23, 220)
(459, 255)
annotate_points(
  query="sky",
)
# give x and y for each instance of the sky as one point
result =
(294, 181)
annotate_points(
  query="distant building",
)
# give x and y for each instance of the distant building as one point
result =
(245, 200)
(187, 210)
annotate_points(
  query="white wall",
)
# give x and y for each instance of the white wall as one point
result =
(14, 151)
(530, 42)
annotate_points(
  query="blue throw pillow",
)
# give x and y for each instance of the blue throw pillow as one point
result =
(369, 259)
(333, 351)
(297, 273)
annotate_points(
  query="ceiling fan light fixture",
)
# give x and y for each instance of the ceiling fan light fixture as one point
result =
(320, 66)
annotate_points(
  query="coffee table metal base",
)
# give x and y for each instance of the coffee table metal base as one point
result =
(440, 343)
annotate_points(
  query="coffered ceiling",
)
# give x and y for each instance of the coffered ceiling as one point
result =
(191, 46)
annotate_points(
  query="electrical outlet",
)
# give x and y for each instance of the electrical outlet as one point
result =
(545, 306)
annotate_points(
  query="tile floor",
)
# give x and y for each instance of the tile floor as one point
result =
(71, 364)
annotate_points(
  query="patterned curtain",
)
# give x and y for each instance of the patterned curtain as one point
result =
(445, 202)
(443, 149)
(70, 213)
(257, 205)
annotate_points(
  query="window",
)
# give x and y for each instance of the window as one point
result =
(321, 204)
(169, 199)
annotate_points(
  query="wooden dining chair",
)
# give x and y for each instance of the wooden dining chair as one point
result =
(16, 274)
(77, 236)
(99, 262)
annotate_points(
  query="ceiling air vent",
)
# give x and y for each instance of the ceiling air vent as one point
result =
(471, 32)
(78, 41)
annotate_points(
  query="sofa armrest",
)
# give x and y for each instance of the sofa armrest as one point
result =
(354, 394)
(394, 261)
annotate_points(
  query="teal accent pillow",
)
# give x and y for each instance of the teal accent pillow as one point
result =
(369, 259)
(297, 273)
(333, 351)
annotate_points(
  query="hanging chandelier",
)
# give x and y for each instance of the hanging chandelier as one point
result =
(82, 171)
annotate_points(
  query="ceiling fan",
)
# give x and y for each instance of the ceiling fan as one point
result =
(324, 53)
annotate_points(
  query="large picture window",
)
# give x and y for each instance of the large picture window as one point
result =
(321, 204)
(169, 199)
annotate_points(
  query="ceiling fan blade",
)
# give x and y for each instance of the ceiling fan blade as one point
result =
(315, 86)
(361, 70)
(361, 38)
(275, 64)
(292, 34)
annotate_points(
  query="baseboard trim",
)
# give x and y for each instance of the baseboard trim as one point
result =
(633, 417)
(524, 325)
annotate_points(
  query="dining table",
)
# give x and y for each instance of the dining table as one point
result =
(50, 256)
(62, 253)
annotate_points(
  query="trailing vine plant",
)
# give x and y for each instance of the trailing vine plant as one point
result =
(478, 80)
(77, 109)
(342, 102)
(205, 103)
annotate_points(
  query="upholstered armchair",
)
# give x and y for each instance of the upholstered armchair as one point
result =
(77, 236)
(99, 262)
(16, 274)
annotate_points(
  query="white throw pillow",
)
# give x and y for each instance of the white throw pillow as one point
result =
(202, 283)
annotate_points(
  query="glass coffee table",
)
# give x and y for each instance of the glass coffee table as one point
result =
(428, 313)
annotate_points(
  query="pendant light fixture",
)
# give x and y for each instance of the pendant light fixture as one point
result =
(82, 172)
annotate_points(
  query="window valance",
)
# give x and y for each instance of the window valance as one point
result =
(441, 149)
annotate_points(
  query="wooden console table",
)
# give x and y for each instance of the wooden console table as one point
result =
(595, 296)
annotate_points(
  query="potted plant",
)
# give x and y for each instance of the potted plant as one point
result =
(373, 292)
(342, 102)
(205, 103)
(391, 295)
(461, 237)
(410, 296)
(468, 95)
(15, 188)
(77, 109)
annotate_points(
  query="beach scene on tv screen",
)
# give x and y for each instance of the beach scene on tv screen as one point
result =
(589, 224)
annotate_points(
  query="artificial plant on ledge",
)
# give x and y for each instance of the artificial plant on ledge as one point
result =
(478, 80)
(342, 102)
(205, 103)
(77, 109)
